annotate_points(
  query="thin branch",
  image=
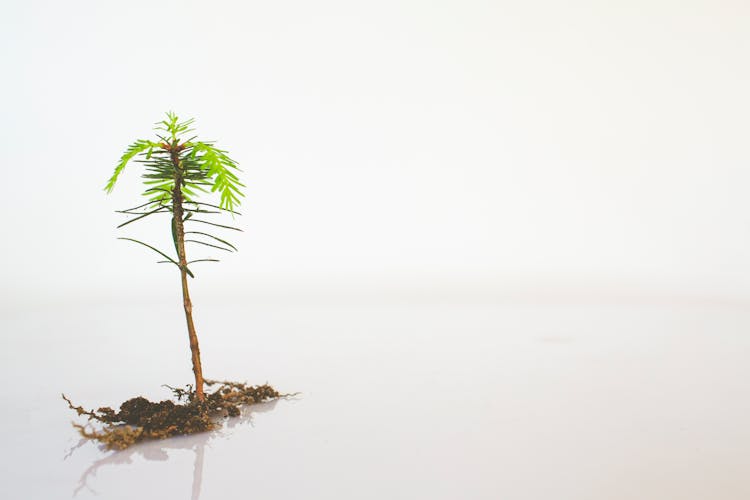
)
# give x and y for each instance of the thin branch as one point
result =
(216, 206)
(208, 245)
(199, 211)
(214, 224)
(135, 208)
(150, 190)
(142, 216)
(152, 248)
(138, 213)
(214, 237)
(190, 262)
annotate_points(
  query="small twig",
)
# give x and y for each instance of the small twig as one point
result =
(80, 410)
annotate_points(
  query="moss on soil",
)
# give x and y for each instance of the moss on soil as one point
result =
(140, 419)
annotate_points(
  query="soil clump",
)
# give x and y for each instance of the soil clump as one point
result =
(139, 419)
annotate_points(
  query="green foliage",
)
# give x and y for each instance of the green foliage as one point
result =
(202, 166)
(198, 166)
(219, 168)
(137, 147)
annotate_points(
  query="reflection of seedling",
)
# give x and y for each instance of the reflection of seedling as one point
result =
(177, 169)
(161, 450)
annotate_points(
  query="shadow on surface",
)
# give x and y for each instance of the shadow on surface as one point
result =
(158, 450)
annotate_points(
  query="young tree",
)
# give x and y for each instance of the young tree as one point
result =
(176, 171)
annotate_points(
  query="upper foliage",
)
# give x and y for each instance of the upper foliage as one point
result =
(200, 165)
(182, 167)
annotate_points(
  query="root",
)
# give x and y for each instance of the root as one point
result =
(140, 419)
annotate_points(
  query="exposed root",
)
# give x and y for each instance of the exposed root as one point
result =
(140, 419)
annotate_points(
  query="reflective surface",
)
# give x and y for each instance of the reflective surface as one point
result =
(514, 399)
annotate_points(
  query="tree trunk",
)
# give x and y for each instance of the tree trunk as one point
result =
(179, 233)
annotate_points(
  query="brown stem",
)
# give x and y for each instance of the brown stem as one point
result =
(177, 215)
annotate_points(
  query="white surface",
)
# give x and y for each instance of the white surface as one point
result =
(514, 399)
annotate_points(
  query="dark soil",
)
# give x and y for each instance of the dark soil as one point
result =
(140, 419)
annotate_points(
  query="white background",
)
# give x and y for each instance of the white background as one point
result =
(476, 145)
(500, 247)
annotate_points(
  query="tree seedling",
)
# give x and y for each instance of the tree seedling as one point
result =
(178, 169)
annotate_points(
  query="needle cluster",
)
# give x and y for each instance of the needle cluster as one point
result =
(177, 170)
